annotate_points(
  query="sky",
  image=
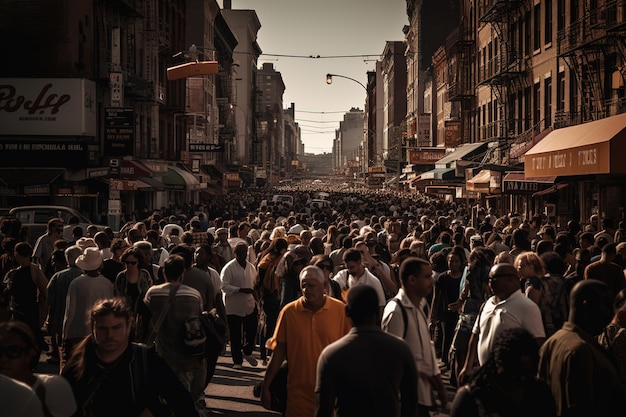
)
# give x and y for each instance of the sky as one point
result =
(328, 28)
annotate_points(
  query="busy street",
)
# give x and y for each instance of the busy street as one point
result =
(372, 208)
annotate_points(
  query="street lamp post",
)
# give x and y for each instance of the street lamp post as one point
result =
(329, 80)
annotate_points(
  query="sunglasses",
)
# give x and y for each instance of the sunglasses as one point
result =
(130, 262)
(13, 352)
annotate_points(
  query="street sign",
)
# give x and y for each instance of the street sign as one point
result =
(119, 130)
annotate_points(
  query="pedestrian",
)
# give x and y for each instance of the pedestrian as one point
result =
(507, 308)
(355, 273)
(57, 296)
(44, 246)
(506, 385)
(404, 316)
(169, 305)
(582, 379)
(26, 287)
(304, 328)
(613, 337)
(82, 294)
(112, 377)
(353, 384)
(606, 270)
(238, 278)
(20, 349)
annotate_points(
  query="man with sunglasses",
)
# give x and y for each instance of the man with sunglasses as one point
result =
(507, 308)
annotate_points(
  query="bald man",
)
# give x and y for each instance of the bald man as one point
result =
(507, 308)
(304, 328)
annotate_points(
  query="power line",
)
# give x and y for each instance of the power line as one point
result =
(318, 121)
(322, 112)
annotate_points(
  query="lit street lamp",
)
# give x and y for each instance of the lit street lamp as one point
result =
(329, 80)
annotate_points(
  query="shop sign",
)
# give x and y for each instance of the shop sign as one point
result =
(119, 131)
(426, 156)
(47, 107)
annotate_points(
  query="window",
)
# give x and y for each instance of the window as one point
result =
(547, 101)
(536, 101)
(527, 34)
(527, 111)
(548, 21)
(561, 15)
(560, 92)
(537, 27)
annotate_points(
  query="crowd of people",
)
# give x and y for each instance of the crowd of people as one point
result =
(363, 302)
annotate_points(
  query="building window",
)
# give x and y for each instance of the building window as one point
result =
(561, 15)
(527, 111)
(560, 92)
(547, 102)
(537, 27)
(548, 23)
(527, 34)
(536, 102)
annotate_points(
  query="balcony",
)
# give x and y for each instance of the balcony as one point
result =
(593, 30)
(495, 11)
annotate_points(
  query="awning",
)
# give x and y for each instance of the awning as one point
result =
(480, 182)
(148, 183)
(590, 148)
(550, 190)
(12, 177)
(438, 174)
(463, 151)
(440, 189)
(179, 179)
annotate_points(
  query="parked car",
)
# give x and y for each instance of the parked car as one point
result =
(36, 218)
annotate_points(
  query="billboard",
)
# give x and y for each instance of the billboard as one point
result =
(47, 107)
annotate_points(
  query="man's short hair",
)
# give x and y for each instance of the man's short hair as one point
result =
(54, 221)
(72, 253)
(362, 304)
(24, 249)
(143, 245)
(411, 266)
(352, 255)
(185, 252)
(173, 267)
(312, 270)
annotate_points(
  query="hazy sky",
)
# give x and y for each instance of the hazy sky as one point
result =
(324, 28)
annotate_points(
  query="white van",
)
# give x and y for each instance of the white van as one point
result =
(282, 199)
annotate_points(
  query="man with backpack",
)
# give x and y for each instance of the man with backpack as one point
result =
(405, 317)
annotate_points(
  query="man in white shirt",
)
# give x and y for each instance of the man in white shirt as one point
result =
(238, 277)
(507, 308)
(405, 317)
(356, 274)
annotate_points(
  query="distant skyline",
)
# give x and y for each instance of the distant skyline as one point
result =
(328, 28)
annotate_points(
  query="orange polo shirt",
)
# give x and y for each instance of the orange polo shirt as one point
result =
(306, 334)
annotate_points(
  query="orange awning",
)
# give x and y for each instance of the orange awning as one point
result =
(590, 148)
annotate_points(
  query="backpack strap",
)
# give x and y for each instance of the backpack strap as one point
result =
(405, 316)
(166, 307)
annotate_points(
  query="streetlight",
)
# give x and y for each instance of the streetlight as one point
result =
(329, 80)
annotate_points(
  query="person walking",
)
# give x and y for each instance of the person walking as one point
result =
(353, 384)
(404, 317)
(238, 278)
(304, 328)
(110, 376)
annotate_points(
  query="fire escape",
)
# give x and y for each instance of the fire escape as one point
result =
(507, 72)
(594, 49)
(460, 46)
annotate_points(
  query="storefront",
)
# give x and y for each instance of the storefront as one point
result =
(589, 160)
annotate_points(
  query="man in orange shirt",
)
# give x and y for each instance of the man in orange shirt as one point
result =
(304, 328)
